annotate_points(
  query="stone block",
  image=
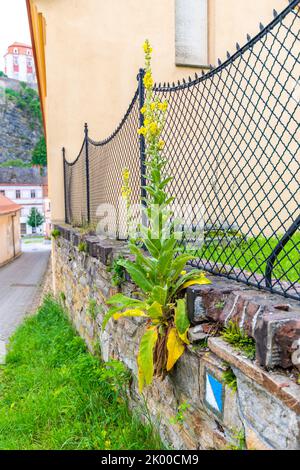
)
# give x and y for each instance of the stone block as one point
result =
(207, 301)
(196, 333)
(277, 384)
(218, 400)
(276, 424)
(275, 334)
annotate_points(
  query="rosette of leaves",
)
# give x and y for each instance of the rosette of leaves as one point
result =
(159, 276)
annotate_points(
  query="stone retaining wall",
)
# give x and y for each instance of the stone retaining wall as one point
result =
(264, 411)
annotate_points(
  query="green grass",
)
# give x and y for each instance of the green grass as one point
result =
(251, 255)
(55, 395)
(34, 240)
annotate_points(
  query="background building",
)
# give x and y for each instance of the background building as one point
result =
(10, 243)
(19, 63)
(25, 186)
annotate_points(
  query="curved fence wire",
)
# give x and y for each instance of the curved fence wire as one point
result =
(232, 145)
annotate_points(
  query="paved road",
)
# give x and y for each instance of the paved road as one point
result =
(19, 284)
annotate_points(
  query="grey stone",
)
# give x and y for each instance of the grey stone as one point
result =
(278, 425)
(197, 334)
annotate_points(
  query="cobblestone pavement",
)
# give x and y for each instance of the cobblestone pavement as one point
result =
(20, 282)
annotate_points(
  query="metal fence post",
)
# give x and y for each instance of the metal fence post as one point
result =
(87, 169)
(65, 185)
(142, 138)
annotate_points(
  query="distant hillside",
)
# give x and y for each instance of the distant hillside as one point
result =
(20, 120)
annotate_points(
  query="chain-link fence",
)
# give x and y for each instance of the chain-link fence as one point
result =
(232, 144)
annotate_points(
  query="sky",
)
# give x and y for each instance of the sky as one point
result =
(13, 25)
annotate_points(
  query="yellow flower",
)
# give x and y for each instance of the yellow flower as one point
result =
(126, 174)
(147, 48)
(148, 80)
(147, 122)
(163, 106)
(153, 106)
(153, 128)
(142, 131)
(143, 109)
(161, 144)
(183, 273)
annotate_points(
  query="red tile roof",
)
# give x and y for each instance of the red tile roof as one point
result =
(7, 206)
(21, 44)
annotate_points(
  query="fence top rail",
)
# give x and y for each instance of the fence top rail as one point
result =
(264, 30)
(78, 156)
(117, 130)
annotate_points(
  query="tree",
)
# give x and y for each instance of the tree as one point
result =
(39, 154)
(35, 218)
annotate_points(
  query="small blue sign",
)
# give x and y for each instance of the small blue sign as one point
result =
(214, 393)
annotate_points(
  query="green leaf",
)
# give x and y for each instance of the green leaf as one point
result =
(186, 277)
(108, 316)
(123, 301)
(182, 322)
(145, 357)
(193, 274)
(155, 311)
(152, 248)
(164, 262)
(137, 274)
(130, 313)
(141, 257)
(169, 244)
(179, 264)
(159, 294)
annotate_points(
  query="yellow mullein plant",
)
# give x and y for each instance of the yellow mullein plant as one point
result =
(159, 276)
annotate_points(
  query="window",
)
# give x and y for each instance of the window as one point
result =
(23, 229)
(29, 65)
(16, 51)
(33, 229)
(32, 194)
(2, 192)
(16, 64)
(18, 194)
(28, 51)
(191, 32)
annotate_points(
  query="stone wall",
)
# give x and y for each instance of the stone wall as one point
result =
(263, 412)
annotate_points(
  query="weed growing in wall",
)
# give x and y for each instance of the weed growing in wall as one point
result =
(160, 275)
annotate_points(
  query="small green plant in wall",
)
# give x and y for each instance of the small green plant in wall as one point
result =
(180, 416)
(230, 378)
(159, 276)
(235, 336)
(93, 309)
(118, 272)
(55, 233)
(239, 439)
(82, 247)
(62, 297)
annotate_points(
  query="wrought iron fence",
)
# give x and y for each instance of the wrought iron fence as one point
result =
(232, 148)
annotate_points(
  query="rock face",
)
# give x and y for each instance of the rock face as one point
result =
(19, 133)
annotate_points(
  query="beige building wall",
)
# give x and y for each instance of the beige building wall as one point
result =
(93, 53)
(10, 237)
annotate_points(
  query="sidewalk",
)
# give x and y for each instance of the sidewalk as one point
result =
(19, 285)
